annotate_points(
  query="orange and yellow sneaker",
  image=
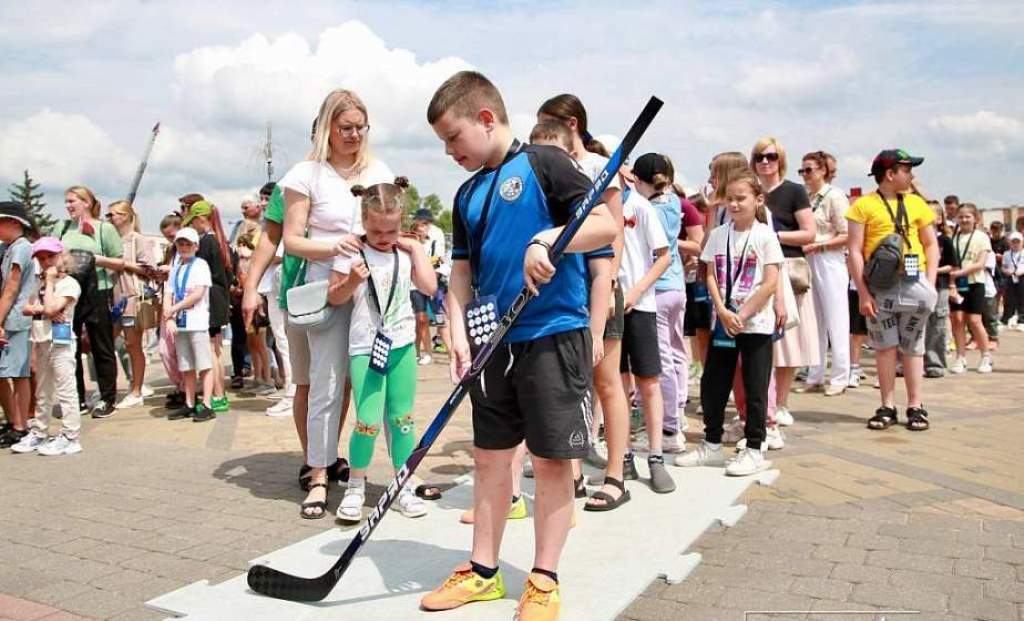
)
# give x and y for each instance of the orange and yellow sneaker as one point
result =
(462, 587)
(540, 601)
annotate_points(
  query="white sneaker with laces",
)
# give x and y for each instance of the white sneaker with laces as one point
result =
(674, 444)
(351, 507)
(774, 440)
(733, 432)
(705, 454)
(424, 360)
(960, 366)
(146, 391)
(29, 443)
(854, 379)
(410, 505)
(748, 462)
(265, 390)
(783, 416)
(129, 401)
(986, 364)
(60, 445)
(281, 408)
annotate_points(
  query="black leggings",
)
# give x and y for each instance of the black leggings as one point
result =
(95, 321)
(716, 382)
(1013, 300)
(239, 345)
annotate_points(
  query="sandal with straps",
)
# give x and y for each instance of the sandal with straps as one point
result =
(609, 501)
(317, 504)
(883, 419)
(337, 472)
(917, 419)
(580, 487)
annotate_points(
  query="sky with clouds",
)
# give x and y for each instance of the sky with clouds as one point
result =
(87, 81)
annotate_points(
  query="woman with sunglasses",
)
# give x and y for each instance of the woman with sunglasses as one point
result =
(829, 275)
(794, 223)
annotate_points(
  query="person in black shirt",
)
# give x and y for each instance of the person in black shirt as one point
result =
(936, 330)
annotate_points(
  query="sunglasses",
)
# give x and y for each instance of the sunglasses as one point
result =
(766, 157)
(805, 171)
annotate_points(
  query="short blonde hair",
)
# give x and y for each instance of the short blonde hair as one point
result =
(763, 144)
(338, 101)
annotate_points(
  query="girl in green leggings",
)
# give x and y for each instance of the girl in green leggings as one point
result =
(381, 339)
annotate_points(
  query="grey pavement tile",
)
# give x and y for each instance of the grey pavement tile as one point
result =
(983, 608)
(1004, 526)
(951, 585)
(692, 592)
(753, 600)
(901, 598)
(940, 548)
(904, 560)
(821, 588)
(139, 613)
(98, 603)
(1014, 556)
(861, 574)
(839, 554)
(872, 542)
(1008, 590)
(55, 593)
(989, 570)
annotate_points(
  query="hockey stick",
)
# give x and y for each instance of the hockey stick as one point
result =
(277, 584)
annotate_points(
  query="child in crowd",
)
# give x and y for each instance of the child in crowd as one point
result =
(744, 258)
(936, 331)
(644, 260)
(53, 307)
(187, 319)
(1013, 269)
(967, 288)
(381, 339)
(17, 282)
(169, 227)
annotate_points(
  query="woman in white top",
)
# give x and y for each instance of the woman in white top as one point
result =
(829, 275)
(321, 218)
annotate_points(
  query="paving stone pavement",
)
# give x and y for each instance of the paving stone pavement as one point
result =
(858, 521)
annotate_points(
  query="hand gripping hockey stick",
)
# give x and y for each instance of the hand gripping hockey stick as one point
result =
(277, 584)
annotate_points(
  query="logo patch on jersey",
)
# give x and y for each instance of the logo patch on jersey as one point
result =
(511, 188)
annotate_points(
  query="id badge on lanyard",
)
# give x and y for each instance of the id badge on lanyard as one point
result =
(721, 338)
(380, 351)
(62, 334)
(181, 320)
(963, 284)
(912, 266)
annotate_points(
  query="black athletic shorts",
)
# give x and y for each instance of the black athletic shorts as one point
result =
(419, 302)
(698, 314)
(640, 345)
(613, 327)
(858, 322)
(539, 391)
(973, 302)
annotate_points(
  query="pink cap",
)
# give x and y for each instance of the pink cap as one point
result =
(47, 244)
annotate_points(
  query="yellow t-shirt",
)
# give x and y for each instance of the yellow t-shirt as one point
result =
(870, 211)
(968, 248)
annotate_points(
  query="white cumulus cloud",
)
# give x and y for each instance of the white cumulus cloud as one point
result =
(982, 131)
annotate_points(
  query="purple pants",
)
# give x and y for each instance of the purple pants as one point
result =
(675, 364)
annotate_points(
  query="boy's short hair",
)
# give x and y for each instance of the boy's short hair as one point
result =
(552, 130)
(466, 93)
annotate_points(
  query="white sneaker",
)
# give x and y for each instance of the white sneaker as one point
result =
(129, 401)
(146, 391)
(409, 504)
(281, 408)
(60, 445)
(783, 416)
(960, 366)
(265, 390)
(774, 440)
(733, 432)
(29, 443)
(1013, 322)
(704, 455)
(1020, 327)
(878, 382)
(748, 462)
(424, 360)
(673, 444)
(986, 364)
(351, 507)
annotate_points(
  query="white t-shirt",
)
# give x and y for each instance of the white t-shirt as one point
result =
(65, 287)
(592, 164)
(333, 211)
(437, 251)
(197, 318)
(643, 234)
(1014, 261)
(399, 319)
(759, 247)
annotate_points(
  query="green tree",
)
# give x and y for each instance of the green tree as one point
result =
(28, 195)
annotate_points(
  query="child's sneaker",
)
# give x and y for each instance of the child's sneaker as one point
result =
(60, 445)
(706, 454)
(351, 507)
(409, 504)
(749, 461)
(201, 414)
(220, 404)
(29, 443)
(986, 364)
(774, 440)
(854, 378)
(733, 432)
(462, 587)
(541, 600)
(960, 366)
(673, 444)
(783, 416)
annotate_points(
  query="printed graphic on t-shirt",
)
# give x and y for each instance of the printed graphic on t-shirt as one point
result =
(744, 283)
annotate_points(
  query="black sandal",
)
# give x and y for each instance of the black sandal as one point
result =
(338, 472)
(609, 501)
(318, 504)
(428, 491)
(883, 419)
(305, 477)
(917, 419)
(581, 488)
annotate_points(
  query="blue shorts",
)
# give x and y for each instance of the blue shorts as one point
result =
(16, 359)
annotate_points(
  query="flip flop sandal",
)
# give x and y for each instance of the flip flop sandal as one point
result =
(883, 419)
(428, 492)
(581, 488)
(319, 504)
(917, 419)
(610, 502)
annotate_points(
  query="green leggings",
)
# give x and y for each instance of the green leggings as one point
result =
(378, 396)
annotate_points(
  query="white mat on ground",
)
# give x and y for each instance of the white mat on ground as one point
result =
(609, 560)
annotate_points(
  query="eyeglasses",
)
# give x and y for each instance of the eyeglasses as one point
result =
(353, 130)
(763, 157)
(805, 171)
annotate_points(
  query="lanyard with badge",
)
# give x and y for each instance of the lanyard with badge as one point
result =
(901, 222)
(180, 281)
(61, 331)
(720, 337)
(482, 313)
(963, 285)
(380, 351)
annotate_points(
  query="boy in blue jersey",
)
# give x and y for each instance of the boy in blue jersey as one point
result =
(537, 386)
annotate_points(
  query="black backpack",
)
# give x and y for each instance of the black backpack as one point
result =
(83, 270)
(883, 269)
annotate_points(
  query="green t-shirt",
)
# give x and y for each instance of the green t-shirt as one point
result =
(291, 266)
(104, 242)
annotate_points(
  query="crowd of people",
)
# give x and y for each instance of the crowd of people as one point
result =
(780, 286)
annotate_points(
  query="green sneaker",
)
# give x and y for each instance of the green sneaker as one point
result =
(221, 404)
